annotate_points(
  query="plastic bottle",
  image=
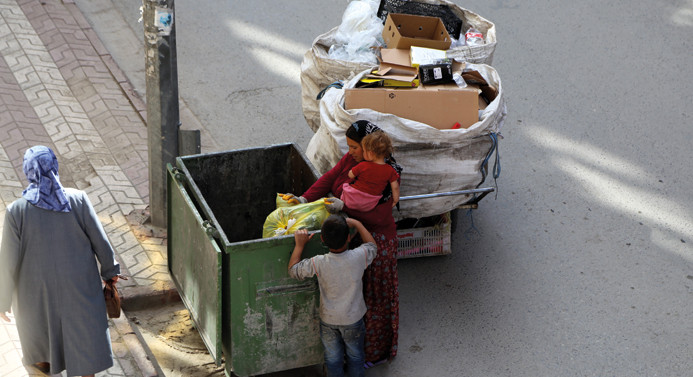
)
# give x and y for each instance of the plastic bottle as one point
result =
(474, 37)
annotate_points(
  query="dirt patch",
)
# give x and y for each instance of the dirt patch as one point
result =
(175, 343)
(140, 223)
(178, 349)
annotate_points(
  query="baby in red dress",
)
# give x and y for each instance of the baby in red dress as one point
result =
(371, 175)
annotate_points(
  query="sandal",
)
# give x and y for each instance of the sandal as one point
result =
(43, 367)
(368, 364)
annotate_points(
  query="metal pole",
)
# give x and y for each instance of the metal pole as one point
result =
(163, 120)
(450, 193)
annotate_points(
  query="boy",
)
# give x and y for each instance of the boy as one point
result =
(341, 291)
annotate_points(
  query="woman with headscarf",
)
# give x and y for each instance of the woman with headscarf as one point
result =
(51, 241)
(380, 283)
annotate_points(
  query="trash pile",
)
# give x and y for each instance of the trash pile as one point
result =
(341, 53)
(420, 70)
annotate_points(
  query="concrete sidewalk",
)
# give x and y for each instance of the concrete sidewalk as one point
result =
(59, 87)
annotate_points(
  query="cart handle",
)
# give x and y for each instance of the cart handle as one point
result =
(485, 191)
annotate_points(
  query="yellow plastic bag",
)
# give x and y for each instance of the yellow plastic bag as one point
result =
(287, 220)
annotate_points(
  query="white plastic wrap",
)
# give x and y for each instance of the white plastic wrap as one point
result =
(318, 71)
(433, 160)
(358, 34)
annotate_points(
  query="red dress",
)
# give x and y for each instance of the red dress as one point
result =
(380, 283)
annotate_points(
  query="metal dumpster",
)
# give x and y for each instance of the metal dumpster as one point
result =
(234, 283)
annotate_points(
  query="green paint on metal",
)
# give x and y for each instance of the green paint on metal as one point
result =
(194, 261)
(269, 322)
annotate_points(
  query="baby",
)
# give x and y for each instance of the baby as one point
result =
(372, 175)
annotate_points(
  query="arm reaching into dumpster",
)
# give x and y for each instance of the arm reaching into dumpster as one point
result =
(301, 237)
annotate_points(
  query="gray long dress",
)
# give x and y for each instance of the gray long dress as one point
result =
(47, 262)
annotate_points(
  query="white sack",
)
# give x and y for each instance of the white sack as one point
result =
(318, 70)
(433, 160)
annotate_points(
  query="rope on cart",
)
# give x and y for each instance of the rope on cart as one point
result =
(336, 84)
(496, 164)
(467, 233)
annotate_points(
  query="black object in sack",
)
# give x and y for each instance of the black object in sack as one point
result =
(453, 23)
(431, 74)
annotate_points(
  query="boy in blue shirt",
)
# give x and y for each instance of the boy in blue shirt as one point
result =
(342, 305)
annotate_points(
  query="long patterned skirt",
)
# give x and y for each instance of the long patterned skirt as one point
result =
(381, 292)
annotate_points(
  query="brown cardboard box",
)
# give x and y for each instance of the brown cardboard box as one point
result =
(406, 30)
(439, 106)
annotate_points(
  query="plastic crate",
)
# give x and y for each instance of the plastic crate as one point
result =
(425, 241)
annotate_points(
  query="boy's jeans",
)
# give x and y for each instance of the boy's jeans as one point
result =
(340, 339)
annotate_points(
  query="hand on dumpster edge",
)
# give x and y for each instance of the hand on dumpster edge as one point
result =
(301, 237)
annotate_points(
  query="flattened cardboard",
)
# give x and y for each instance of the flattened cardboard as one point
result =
(406, 30)
(388, 70)
(439, 106)
(396, 56)
(394, 65)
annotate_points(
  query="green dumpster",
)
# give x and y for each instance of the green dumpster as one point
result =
(249, 312)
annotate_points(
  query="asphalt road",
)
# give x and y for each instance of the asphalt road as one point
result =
(583, 263)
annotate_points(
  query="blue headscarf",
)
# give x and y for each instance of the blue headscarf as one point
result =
(44, 190)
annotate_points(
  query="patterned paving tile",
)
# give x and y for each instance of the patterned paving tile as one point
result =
(107, 95)
(60, 88)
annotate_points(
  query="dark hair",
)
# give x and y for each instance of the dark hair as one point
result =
(335, 232)
(359, 129)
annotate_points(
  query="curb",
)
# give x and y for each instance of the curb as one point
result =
(134, 298)
(142, 355)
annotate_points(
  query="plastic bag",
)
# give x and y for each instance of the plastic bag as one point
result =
(359, 32)
(287, 220)
(474, 37)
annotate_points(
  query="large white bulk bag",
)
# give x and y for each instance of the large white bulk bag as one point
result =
(434, 161)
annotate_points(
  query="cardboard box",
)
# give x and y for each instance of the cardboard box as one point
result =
(406, 30)
(439, 106)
